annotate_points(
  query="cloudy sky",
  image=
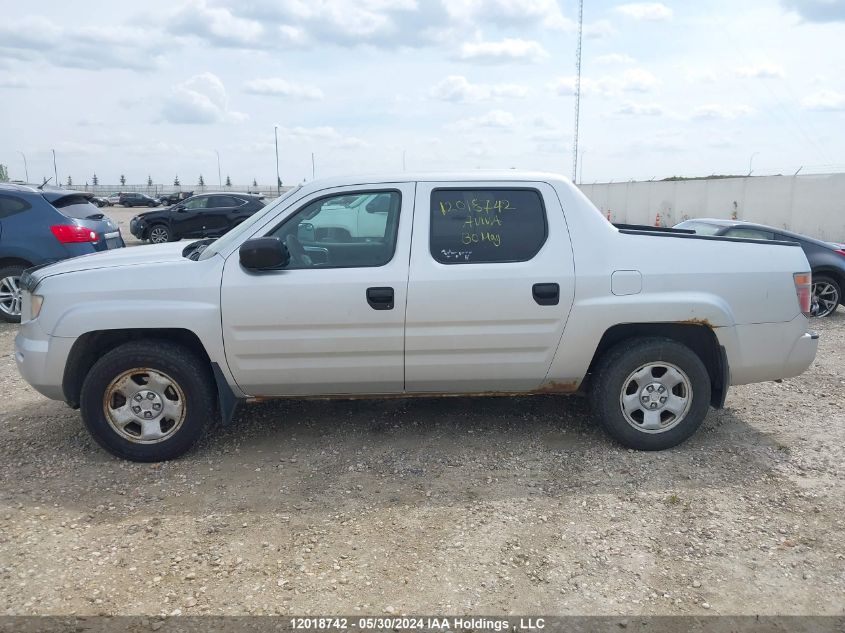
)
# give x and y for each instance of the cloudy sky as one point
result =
(669, 88)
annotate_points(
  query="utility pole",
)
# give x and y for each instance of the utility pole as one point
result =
(25, 167)
(278, 178)
(313, 167)
(403, 160)
(577, 89)
(219, 173)
(751, 162)
(55, 171)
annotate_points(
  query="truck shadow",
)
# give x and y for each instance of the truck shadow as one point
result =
(332, 456)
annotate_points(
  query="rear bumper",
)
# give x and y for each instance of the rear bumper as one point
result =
(759, 352)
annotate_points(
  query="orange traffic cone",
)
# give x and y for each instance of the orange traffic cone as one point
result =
(657, 220)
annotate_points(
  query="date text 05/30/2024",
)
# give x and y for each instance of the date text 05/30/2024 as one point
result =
(430, 623)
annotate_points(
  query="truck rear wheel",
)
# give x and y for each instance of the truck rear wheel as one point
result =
(651, 393)
(148, 401)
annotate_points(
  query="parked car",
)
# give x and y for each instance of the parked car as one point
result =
(100, 202)
(175, 198)
(206, 215)
(39, 227)
(137, 200)
(827, 260)
(500, 284)
(113, 199)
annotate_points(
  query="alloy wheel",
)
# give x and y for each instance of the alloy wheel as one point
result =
(10, 296)
(144, 406)
(825, 298)
(656, 397)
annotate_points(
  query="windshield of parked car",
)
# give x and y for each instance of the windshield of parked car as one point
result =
(232, 236)
(77, 207)
(701, 228)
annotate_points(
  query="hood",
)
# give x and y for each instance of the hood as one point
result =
(146, 213)
(118, 257)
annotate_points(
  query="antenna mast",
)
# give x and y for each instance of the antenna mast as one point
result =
(577, 90)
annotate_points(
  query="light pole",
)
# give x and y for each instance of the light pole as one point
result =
(403, 159)
(25, 168)
(55, 171)
(751, 162)
(219, 173)
(313, 167)
(278, 178)
(581, 168)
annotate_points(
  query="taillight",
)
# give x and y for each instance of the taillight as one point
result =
(841, 251)
(72, 234)
(804, 290)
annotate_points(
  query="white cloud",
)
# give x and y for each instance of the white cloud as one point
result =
(700, 75)
(817, 10)
(217, 25)
(631, 108)
(645, 10)
(275, 86)
(614, 59)
(323, 134)
(201, 99)
(459, 89)
(721, 111)
(88, 47)
(13, 81)
(829, 100)
(507, 50)
(632, 80)
(760, 71)
(493, 118)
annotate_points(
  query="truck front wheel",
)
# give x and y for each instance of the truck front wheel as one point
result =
(651, 393)
(148, 401)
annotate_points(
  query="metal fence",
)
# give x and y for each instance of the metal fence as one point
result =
(156, 190)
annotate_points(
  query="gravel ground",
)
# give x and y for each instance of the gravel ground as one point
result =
(473, 506)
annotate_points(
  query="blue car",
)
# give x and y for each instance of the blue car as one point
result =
(41, 226)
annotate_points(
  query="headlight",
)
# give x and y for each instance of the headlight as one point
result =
(35, 303)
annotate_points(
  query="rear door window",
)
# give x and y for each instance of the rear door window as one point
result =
(11, 205)
(475, 226)
(222, 202)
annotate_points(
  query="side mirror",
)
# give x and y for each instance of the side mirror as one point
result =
(264, 253)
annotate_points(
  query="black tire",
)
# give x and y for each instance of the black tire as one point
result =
(192, 376)
(168, 235)
(614, 374)
(832, 287)
(14, 272)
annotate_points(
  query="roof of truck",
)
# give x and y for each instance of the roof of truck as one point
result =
(491, 175)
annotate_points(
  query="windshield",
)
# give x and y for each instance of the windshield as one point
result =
(701, 228)
(233, 235)
(77, 207)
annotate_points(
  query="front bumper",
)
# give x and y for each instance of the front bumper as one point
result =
(137, 228)
(41, 359)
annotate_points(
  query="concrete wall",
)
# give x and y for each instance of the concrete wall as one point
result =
(813, 204)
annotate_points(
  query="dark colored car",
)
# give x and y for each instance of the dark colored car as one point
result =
(827, 260)
(100, 202)
(44, 226)
(205, 215)
(175, 198)
(137, 200)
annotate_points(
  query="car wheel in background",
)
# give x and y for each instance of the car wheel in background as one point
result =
(651, 393)
(10, 293)
(148, 401)
(158, 234)
(826, 296)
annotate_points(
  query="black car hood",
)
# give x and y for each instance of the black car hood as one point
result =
(146, 213)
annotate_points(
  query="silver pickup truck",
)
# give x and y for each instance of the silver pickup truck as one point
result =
(477, 283)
